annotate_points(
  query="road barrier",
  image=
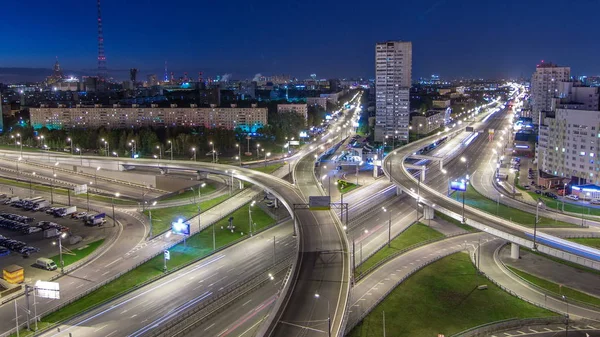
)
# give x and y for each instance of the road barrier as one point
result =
(192, 318)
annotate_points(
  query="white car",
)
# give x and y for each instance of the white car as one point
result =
(595, 201)
(573, 197)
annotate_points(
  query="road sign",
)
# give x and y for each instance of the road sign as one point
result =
(47, 290)
(167, 255)
(319, 202)
(79, 189)
(294, 142)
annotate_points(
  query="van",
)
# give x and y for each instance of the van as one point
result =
(45, 263)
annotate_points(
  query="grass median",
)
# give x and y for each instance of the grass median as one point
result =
(475, 199)
(556, 288)
(78, 253)
(443, 298)
(590, 242)
(162, 217)
(455, 222)
(415, 234)
(197, 247)
(346, 186)
(190, 194)
(269, 168)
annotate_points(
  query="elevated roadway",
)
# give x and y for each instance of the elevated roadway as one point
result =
(394, 167)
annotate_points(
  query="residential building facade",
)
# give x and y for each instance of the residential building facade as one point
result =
(393, 67)
(301, 109)
(117, 117)
(545, 84)
(570, 141)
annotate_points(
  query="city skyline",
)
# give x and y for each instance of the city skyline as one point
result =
(447, 38)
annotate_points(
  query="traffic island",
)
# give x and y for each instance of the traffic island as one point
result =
(162, 217)
(414, 236)
(443, 298)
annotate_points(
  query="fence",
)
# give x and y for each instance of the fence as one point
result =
(543, 290)
(400, 252)
(473, 259)
(489, 328)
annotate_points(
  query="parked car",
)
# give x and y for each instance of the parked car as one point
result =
(595, 201)
(538, 191)
(573, 197)
(80, 215)
(527, 188)
(551, 195)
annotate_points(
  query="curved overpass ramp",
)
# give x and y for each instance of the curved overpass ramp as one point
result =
(395, 168)
(322, 263)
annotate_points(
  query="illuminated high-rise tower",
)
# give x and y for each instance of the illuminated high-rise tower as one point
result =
(101, 57)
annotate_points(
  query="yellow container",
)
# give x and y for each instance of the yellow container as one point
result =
(13, 274)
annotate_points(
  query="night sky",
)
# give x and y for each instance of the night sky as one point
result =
(469, 38)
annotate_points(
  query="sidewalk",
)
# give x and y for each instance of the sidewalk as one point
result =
(553, 271)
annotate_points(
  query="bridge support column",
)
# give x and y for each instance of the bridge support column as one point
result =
(441, 164)
(375, 170)
(428, 212)
(398, 191)
(241, 184)
(514, 251)
(422, 175)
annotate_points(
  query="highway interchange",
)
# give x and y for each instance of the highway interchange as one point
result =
(158, 301)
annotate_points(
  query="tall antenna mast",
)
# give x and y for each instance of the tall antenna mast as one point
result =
(101, 57)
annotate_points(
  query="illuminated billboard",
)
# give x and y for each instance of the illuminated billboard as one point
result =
(180, 227)
(458, 185)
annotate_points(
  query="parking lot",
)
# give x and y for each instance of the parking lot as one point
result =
(47, 246)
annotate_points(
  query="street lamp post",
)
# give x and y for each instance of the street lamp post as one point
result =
(328, 316)
(213, 151)
(62, 262)
(250, 217)
(150, 217)
(159, 152)
(96, 175)
(133, 148)
(239, 153)
(113, 207)
(389, 227)
(88, 196)
(563, 198)
(80, 155)
(30, 190)
(537, 210)
(444, 172)
(52, 188)
(357, 165)
(266, 155)
(566, 316)
(70, 141)
(257, 151)
(170, 148)
(194, 153)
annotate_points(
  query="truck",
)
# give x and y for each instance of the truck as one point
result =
(41, 204)
(96, 219)
(51, 232)
(12, 200)
(66, 211)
